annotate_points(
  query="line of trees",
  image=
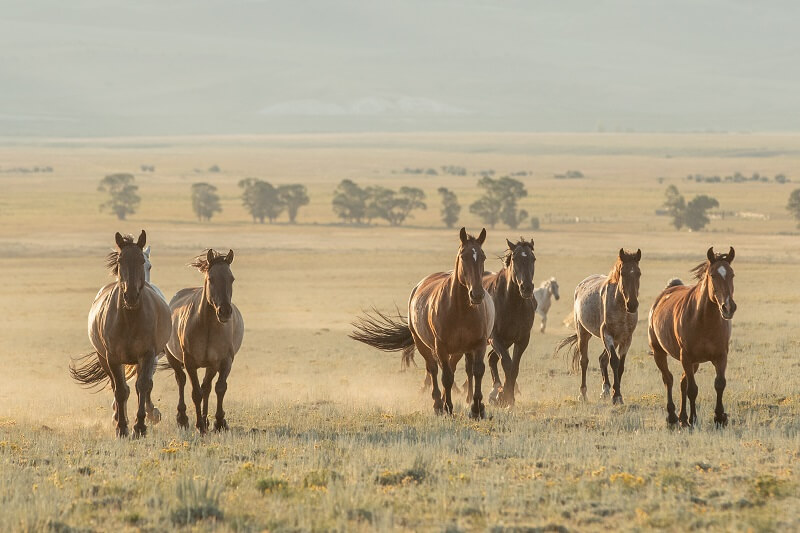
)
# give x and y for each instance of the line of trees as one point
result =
(262, 200)
(499, 201)
(692, 214)
(354, 204)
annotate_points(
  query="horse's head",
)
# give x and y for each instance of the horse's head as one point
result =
(147, 264)
(521, 261)
(629, 275)
(128, 265)
(469, 265)
(553, 284)
(720, 281)
(218, 288)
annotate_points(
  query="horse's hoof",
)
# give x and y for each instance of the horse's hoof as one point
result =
(480, 414)
(617, 400)
(220, 426)
(721, 421)
(495, 394)
(606, 393)
(139, 431)
(154, 417)
(582, 396)
(122, 431)
(183, 420)
(672, 420)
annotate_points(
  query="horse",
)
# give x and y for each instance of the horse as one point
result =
(128, 327)
(606, 307)
(512, 292)
(207, 332)
(547, 289)
(147, 267)
(693, 325)
(448, 313)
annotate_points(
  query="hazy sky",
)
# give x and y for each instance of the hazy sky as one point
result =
(105, 67)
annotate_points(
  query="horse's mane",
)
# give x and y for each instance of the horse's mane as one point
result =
(700, 270)
(112, 259)
(201, 261)
(613, 276)
(506, 257)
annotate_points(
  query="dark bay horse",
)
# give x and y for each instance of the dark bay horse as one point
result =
(448, 314)
(128, 327)
(511, 290)
(693, 325)
(207, 331)
(607, 307)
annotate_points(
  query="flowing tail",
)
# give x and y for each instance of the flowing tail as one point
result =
(386, 333)
(572, 342)
(87, 371)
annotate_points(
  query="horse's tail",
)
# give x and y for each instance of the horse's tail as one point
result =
(572, 342)
(674, 282)
(385, 333)
(88, 371)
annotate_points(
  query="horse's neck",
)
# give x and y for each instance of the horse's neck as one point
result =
(459, 295)
(204, 309)
(701, 300)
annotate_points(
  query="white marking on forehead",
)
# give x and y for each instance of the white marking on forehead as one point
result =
(523, 254)
(722, 271)
(475, 255)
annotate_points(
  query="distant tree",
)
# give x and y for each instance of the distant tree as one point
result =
(379, 202)
(450, 207)
(261, 199)
(499, 201)
(675, 204)
(794, 205)
(535, 223)
(214, 168)
(393, 206)
(205, 201)
(695, 216)
(349, 202)
(122, 189)
(293, 196)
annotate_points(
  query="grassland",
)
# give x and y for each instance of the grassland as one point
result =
(327, 434)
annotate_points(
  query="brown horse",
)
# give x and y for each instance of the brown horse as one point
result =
(128, 325)
(512, 292)
(448, 314)
(692, 324)
(207, 331)
(606, 307)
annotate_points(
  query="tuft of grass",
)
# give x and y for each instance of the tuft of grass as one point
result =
(272, 485)
(416, 474)
(197, 501)
(319, 479)
(768, 486)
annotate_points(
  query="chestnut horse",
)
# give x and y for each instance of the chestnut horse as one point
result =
(207, 331)
(128, 325)
(606, 307)
(693, 325)
(448, 314)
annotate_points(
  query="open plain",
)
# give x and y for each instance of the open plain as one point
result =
(328, 434)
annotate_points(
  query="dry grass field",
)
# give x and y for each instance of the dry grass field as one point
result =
(327, 434)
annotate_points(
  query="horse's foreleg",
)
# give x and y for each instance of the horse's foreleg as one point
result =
(121, 393)
(478, 368)
(688, 389)
(468, 383)
(496, 384)
(512, 373)
(206, 388)
(197, 398)
(660, 358)
(180, 378)
(583, 351)
(720, 416)
(544, 322)
(144, 386)
(604, 372)
(608, 340)
(448, 377)
(220, 388)
(432, 367)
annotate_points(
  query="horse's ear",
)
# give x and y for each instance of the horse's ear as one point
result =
(119, 239)
(511, 245)
(638, 256)
(731, 255)
(210, 256)
(142, 240)
(531, 244)
(147, 251)
(229, 257)
(710, 255)
(463, 235)
(482, 236)
(622, 254)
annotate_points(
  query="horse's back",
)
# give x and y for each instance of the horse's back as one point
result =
(588, 303)
(664, 316)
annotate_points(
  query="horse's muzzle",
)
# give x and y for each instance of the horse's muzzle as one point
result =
(632, 307)
(727, 310)
(526, 292)
(475, 297)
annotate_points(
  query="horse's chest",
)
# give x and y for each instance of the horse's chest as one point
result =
(207, 346)
(129, 343)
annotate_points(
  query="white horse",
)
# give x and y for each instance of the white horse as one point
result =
(147, 266)
(542, 294)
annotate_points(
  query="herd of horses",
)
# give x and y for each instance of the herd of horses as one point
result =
(465, 311)
(459, 313)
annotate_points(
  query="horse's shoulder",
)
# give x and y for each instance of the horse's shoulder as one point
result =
(183, 296)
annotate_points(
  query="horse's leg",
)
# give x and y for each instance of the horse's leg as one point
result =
(478, 368)
(468, 383)
(623, 353)
(426, 384)
(454, 359)
(144, 386)
(220, 388)
(512, 372)
(720, 416)
(180, 377)
(682, 416)
(197, 398)
(206, 388)
(608, 340)
(604, 371)
(544, 323)
(121, 393)
(660, 357)
(583, 349)
(448, 377)
(497, 386)
(691, 388)
(433, 371)
(107, 369)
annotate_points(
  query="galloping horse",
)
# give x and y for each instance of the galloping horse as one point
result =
(692, 324)
(128, 325)
(448, 314)
(542, 294)
(207, 331)
(512, 291)
(606, 307)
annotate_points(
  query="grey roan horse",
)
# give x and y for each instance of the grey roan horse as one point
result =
(128, 325)
(207, 331)
(606, 307)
